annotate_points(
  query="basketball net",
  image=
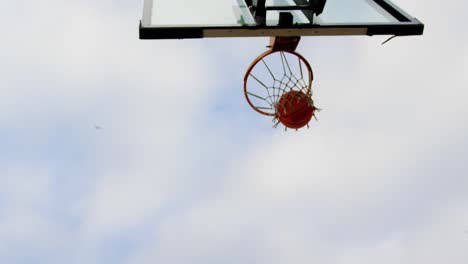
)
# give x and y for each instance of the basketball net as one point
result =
(276, 72)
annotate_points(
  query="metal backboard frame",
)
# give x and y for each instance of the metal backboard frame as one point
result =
(400, 24)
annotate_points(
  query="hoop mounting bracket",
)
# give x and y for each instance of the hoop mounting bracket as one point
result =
(284, 43)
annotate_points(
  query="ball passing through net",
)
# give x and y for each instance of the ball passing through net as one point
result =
(279, 84)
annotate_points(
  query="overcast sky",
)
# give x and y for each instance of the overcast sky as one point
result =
(182, 170)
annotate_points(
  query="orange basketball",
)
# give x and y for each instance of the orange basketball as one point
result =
(295, 109)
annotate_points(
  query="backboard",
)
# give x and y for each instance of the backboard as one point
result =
(178, 19)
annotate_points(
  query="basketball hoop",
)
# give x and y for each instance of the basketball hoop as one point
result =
(275, 73)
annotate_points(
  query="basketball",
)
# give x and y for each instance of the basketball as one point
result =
(295, 109)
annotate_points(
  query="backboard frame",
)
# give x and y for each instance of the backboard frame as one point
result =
(406, 25)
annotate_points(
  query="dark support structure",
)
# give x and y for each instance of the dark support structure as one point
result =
(308, 7)
(317, 7)
(259, 12)
(286, 19)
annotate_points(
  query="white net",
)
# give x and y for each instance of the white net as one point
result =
(274, 75)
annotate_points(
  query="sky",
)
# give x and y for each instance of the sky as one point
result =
(182, 170)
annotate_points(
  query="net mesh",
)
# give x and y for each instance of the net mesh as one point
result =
(275, 75)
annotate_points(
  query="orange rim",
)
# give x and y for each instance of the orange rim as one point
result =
(262, 56)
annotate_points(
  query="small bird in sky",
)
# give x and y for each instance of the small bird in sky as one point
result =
(97, 127)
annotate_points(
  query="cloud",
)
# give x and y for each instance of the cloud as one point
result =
(68, 67)
(183, 171)
(438, 240)
(28, 228)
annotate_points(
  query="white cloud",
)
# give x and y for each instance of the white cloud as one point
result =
(70, 66)
(440, 239)
(75, 56)
(27, 228)
(379, 178)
